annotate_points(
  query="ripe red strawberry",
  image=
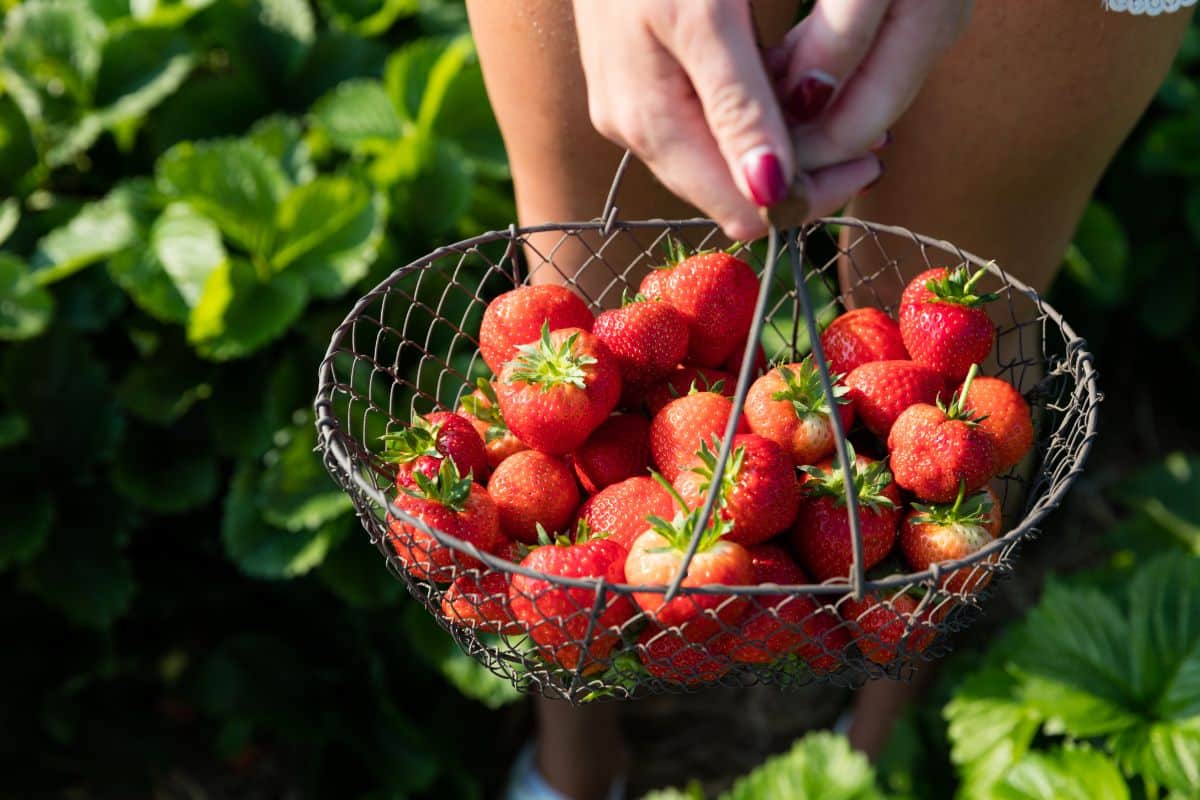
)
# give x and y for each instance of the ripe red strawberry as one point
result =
(935, 450)
(716, 293)
(934, 533)
(422, 446)
(670, 656)
(481, 410)
(887, 629)
(621, 510)
(861, 336)
(454, 505)
(481, 602)
(779, 624)
(788, 407)
(558, 390)
(881, 390)
(759, 491)
(681, 381)
(647, 337)
(557, 616)
(618, 449)
(517, 317)
(529, 488)
(656, 557)
(821, 537)
(678, 430)
(1004, 416)
(943, 323)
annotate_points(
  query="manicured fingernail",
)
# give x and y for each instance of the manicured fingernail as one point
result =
(883, 141)
(764, 176)
(871, 185)
(810, 96)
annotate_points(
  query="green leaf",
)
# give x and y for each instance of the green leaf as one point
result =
(990, 729)
(51, 55)
(14, 428)
(166, 13)
(313, 213)
(296, 492)
(18, 156)
(139, 272)
(357, 573)
(252, 400)
(10, 215)
(81, 570)
(1168, 305)
(358, 116)
(291, 28)
(28, 517)
(141, 67)
(1063, 774)
(238, 314)
(263, 550)
(163, 387)
(345, 258)
(99, 230)
(432, 200)
(465, 116)
(164, 473)
(235, 183)
(821, 766)
(1164, 612)
(25, 307)
(188, 246)
(406, 74)
(1172, 146)
(693, 791)
(1099, 257)
(283, 138)
(368, 17)
(88, 301)
(470, 677)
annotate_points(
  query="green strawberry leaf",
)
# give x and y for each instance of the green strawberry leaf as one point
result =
(368, 17)
(89, 301)
(1098, 259)
(821, 766)
(471, 678)
(140, 68)
(165, 13)
(357, 573)
(165, 385)
(358, 116)
(188, 246)
(990, 729)
(25, 308)
(14, 429)
(138, 271)
(164, 473)
(330, 230)
(295, 491)
(10, 215)
(1063, 774)
(235, 183)
(282, 137)
(29, 515)
(263, 550)
(238, 314)
(99, 230)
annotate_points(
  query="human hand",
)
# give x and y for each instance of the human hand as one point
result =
(683, 85)
(852, 67)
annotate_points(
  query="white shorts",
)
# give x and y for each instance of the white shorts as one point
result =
(1150, 7)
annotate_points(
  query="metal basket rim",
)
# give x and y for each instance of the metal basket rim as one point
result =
(331, 436)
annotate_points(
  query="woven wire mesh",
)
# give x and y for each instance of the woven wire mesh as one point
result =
(410, 347)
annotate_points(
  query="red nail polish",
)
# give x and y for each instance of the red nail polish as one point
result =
(810, 96)
(764, 176)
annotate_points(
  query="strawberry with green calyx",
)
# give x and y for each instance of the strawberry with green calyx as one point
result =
(516, 317)
(686, 379)
(821, 536)
(531, 488)
(422, 446)
(788, 406)
(937, 448)
(617, 450)
(559, 389)
(482, 410)
(759, 492)
(657, 556)
(887, 626)
(454, 505)
(1004, 416)
(557, 617)
(943, 322)
(623, 509)
(861, 336)
(647, 337)
(881, 390)
(779, 624)
(715, 292)
(685, 423)
(935, 533)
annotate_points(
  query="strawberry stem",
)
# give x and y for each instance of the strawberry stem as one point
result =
(447, 487)
(408, 444)
(958, 401)
(803, 389)
(679, 531)
(542, 364)
(870, 482)
(957, 287)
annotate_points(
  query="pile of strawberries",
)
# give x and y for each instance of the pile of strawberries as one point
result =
(591, 451)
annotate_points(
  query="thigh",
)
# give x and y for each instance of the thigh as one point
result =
(1010, 135)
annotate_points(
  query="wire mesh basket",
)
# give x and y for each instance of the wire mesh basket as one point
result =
(410, 346)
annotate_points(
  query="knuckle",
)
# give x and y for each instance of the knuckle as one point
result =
(730, 110)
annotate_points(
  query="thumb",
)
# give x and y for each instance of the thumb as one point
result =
(714, 44)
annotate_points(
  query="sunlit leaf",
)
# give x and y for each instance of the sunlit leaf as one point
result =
(25, 308)
(238, 313)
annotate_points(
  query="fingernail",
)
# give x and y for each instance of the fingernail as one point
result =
(883, 141)
(764, 176)
(810, 96)
(871, 185)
